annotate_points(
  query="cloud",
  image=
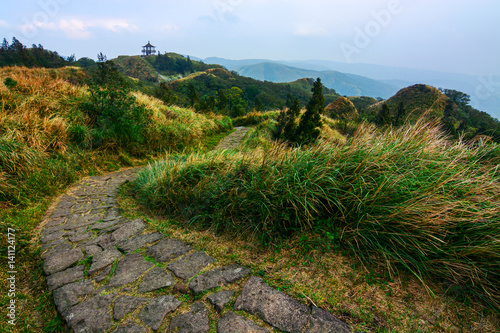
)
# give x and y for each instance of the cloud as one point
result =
(169, 28)
(310, 30)
(3, 24)
(75, 29)
(81, 29)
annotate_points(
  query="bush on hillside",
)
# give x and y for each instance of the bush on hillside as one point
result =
(342, 109)
(116, 117)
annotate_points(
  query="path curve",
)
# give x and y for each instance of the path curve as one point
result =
(111, 274)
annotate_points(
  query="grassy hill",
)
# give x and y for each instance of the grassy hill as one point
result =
(44, 116)
(362, 102)
(417, 100)
(393, 228)
(17, 54)
(137, 67)
(457, 117)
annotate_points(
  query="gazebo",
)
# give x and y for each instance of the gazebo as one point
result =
(148, 49)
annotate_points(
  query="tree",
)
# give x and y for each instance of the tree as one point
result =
(290, 129)
(384, 116)
(189, 65)
(235, 102)
(286, 129)
(258, 106)
(86, 62)
(221, 100)
(460, 98)
(71, 58)
(318, 100)
(400, 114)
(192, 94)
(308, 129)
(5, 45)
(251, 92)
(450, 118)
(164, 93)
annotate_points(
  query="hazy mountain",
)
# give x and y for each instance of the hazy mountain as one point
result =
(484, 91)
(233, 64)
(344, 84)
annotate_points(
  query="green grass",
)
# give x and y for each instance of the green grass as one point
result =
(407, 199)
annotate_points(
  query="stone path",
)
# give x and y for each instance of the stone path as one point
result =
(110, 274)
(233, 139)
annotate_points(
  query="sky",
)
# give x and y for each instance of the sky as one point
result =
(458, 36)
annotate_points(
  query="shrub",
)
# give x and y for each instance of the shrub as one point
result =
(80, 135)
(10, 83)
(115, 113)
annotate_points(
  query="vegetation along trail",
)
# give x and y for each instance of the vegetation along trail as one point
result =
(96, 260)
(217, 202)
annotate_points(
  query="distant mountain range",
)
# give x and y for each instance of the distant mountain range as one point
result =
(369, 80)
(344, 84)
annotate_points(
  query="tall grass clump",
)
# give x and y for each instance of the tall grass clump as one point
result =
(173, 128)
(255, 118)
(407, 198)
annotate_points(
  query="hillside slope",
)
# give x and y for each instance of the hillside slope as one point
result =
(137, 68)
(272, 95)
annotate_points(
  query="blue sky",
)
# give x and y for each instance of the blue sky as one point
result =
(454, 36)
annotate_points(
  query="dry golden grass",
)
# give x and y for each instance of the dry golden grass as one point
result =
(179, 127)
(37, 110)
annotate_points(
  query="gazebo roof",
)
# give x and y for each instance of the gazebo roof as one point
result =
(148, 44)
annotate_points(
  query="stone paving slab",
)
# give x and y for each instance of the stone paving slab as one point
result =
(155, 279)
(232, 140)
(188, 266)
(59, 261)
(273, 306)
(110, 274)
(194, 321)
(68, 295)
(131, 328)
(92, 315)
(104, 259)
(60, 279)
(126, 304)
(138, 242)
(220, 299)
(169, 249)
(232, 323)
(218, 277)
(152, 314)
(129, 269)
